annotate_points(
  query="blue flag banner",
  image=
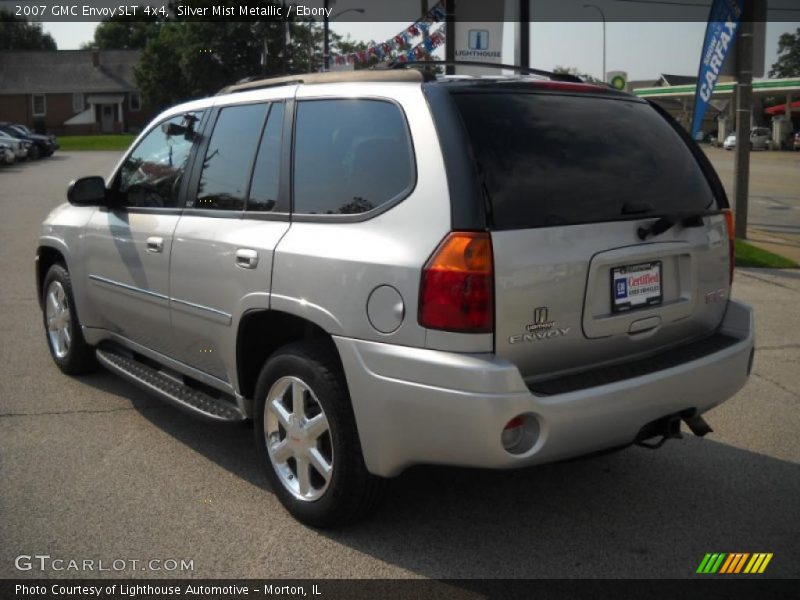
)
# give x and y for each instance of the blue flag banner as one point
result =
(723, 25)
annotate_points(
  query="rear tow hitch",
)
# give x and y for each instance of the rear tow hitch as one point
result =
(698, 425)
(669, 427)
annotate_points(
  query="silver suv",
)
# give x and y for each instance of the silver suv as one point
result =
(383, 269)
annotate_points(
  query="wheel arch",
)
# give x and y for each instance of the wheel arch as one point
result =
(261, 332)
(46, 256)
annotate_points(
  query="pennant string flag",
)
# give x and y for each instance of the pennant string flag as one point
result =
(401, 46)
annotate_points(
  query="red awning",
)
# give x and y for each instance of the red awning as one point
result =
(780, 109)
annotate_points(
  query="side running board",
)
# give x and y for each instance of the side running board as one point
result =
(182, 396)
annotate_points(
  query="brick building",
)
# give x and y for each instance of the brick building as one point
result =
(72, 92)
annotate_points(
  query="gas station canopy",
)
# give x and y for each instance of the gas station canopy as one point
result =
(765, 87)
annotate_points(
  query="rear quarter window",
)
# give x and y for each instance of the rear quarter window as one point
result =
(550, 160)
(350, 156)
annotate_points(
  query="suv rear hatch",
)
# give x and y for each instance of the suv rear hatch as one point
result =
(573, 176)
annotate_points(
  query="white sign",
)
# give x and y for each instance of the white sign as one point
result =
(617, 79)
(479, 42)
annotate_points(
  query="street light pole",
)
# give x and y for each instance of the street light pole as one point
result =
(602, 16)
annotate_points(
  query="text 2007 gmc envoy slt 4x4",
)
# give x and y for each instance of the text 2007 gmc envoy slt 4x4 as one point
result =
(383, 269)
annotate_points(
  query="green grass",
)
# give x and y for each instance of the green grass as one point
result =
(95, 142)
(748, 255)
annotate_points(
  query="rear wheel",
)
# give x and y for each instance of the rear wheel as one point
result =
(64, 337)
(307, 440)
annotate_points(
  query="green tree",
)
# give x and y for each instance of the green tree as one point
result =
(125, 33)
(196, 58)
(788, 63)
(19, 34)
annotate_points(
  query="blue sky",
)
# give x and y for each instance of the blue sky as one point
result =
(644, 50)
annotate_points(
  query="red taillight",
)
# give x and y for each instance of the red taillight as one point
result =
(457, 287)
(731, 239)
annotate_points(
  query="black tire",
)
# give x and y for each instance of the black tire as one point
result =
(352, 492)
(79, 357)
(34, 153)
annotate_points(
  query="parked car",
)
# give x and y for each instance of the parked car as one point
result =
(383, 269)
(18, 146)
(730, 142)
(6, 154)
(41, 145)
(760, 138)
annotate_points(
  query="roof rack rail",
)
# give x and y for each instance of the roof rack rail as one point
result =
(383, 75)
(472, 63)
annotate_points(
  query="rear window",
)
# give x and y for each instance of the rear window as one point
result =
(550, 160)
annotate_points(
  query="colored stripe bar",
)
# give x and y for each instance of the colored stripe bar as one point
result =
(753, 564)
(740, 564)
(703, 563)
(757, 564)
(765, 563)
(727, 564)
(717, 564)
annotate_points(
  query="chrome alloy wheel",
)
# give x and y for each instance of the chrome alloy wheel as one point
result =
(59, 320)
(298, 438)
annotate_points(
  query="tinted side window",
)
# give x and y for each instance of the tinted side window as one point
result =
(152, 173)
(229, 156)
(552, 159)
(264, 187)
(351, 156)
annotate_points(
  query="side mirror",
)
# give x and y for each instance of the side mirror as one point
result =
(87, 191)
(174, 130)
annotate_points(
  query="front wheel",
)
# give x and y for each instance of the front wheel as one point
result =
(69, 350)
(307, 440)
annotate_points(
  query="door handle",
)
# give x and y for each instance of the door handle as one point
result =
(155, 244)
(246, 258)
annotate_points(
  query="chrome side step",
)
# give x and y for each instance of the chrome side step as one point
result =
(168, 388)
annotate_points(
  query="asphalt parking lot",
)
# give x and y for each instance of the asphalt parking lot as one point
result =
(93, 468)
(774, 203)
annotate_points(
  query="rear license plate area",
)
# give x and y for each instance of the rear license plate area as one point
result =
(636, 286)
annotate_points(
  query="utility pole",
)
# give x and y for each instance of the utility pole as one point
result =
(326, 53)
(524, 33)
(449, 35)
(744, 107)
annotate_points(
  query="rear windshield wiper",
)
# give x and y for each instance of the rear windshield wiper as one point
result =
(665, 223)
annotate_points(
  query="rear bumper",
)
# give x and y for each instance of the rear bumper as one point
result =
(417, 406)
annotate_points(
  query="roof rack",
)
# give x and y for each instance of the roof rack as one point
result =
(383, 75)
(471, 63)
(393, 72)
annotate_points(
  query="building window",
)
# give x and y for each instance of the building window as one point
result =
(39, 105)
(135, 101)
(78, 105)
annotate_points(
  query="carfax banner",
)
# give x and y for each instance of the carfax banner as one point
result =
(723, 24)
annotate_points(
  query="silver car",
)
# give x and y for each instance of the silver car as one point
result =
(18, 146)
(759, 139)
(383, 269)
(6, 154)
